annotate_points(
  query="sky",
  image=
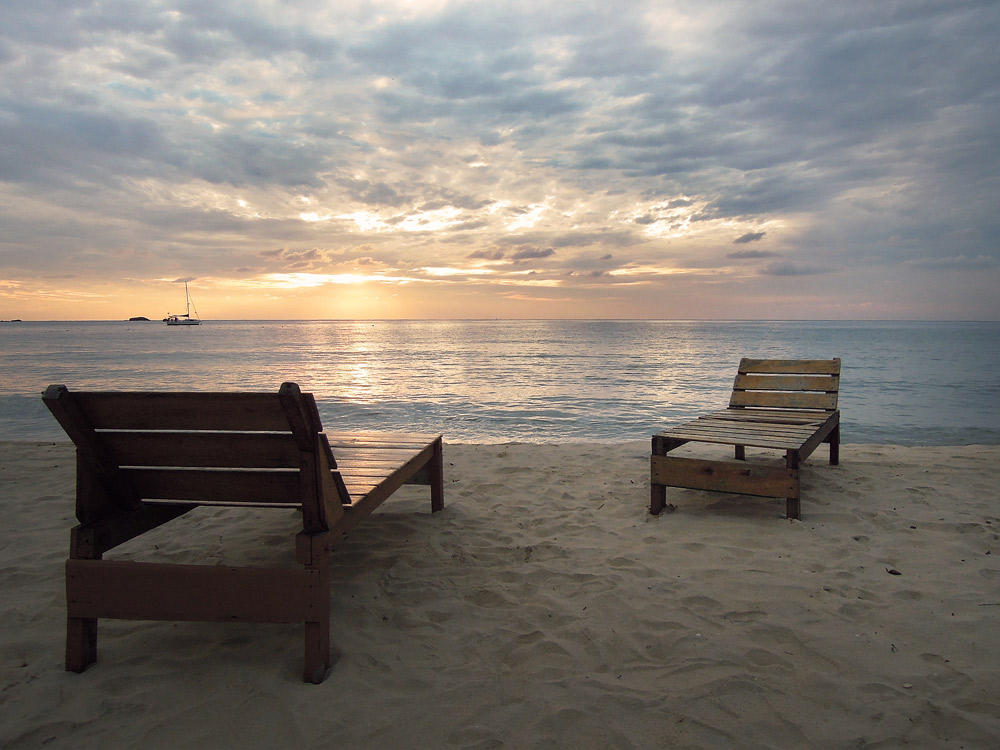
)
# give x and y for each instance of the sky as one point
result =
(715, 159)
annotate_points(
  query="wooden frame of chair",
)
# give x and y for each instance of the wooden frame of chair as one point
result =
(145, 458)
(788, 405)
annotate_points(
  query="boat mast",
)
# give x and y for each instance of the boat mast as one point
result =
(190, 304)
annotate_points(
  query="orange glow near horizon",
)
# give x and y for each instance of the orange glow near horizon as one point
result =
(503, 290)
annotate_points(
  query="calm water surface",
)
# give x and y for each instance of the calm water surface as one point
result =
(536, 381)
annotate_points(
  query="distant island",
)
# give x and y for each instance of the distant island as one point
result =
(15, 320)
(138, 317)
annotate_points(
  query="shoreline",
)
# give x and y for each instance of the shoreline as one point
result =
(546, 608)
(812, 460)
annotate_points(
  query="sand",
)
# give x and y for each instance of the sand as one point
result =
(545, 608)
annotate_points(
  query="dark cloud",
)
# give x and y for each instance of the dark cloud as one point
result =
(45, 143)
(749, 237)
(246, 159)
(531, 253)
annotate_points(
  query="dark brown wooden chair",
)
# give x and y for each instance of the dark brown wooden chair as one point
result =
(145, 458)
(786, 404)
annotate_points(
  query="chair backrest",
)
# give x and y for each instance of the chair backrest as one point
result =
(235, 449)
(806, 384)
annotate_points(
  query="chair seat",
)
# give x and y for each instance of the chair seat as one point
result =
(726, 429)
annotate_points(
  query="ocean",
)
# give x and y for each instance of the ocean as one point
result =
(491, 381)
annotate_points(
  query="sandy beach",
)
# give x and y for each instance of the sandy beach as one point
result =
(545, 608)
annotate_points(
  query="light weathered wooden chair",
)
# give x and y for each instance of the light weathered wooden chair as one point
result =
(145, 458)
(789, 405)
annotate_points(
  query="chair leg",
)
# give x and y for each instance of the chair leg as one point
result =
(314, 552)
(658, 492)
(81, 632)
(793, 508)
(835, 446)
(741, 453)
(317, 656)
(657, 498)
(317, 633)
(81, 643)
(437, 478)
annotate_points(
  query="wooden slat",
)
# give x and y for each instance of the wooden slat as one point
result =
(373, 465)
(208, 485)
(752, 438)
(823, 383)
(151, 591)
(146, 410)
(358, 446)
(754, 442)
(827, 401)
(791, 366)
(232, 449)
(373, 462)
(724, 476)
(760, 436)
(381, 438)
(755, 427)
(772, 416)
(752, 426)
(363, 503)
(369, 472)
(362, 452)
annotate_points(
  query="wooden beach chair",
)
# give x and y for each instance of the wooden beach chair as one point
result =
(145, 458)
(789, 405)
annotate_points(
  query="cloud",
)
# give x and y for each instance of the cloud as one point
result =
(140, 142)
(373, 193)
(749, 237)
(530, 253)
(488, 254)
(296, 260)
(788, 268)
(751, 254)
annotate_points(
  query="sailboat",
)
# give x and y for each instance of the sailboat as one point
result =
(177, 319)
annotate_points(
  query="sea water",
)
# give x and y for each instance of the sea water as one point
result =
(515, 380)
